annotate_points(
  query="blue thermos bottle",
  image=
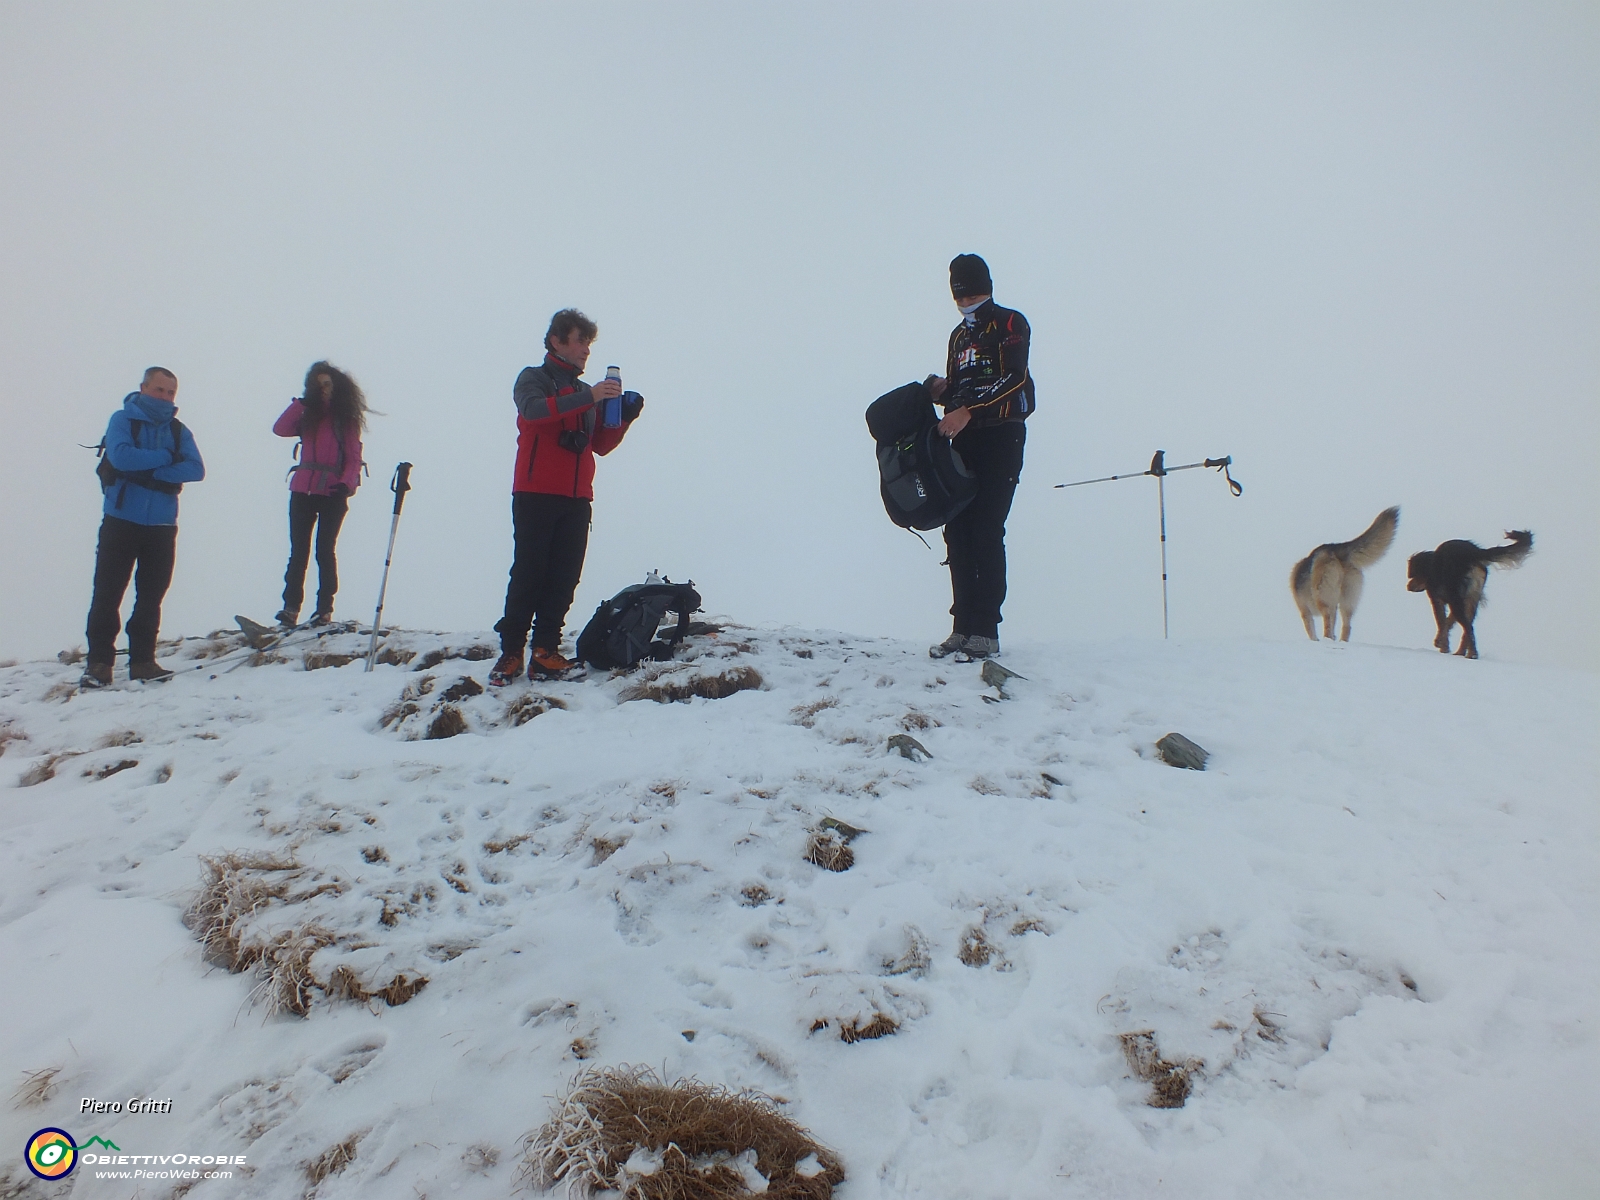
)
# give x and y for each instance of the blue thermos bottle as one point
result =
(611, 410)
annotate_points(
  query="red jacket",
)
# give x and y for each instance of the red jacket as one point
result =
(328, 455)
(552, 400)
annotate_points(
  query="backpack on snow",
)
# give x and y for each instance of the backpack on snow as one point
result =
(923, 481)
(110, 476)
(623, 629)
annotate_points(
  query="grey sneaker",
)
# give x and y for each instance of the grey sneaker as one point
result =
(975, 647)
(949, 646)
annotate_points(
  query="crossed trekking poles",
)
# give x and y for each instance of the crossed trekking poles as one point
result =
(1158, 468)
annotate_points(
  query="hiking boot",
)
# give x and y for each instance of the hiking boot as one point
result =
(323, 617)
(148, 672)
(288, 618)
(506, 669)
(96, 675)
(949, 646)
(978, 647)
(548, 664)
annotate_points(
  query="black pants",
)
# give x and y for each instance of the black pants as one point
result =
(976, 540)
(552, 536)
(123, 546)
(326, 514)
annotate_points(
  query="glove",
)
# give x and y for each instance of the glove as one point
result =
(339, 491)
(632, 406)
(963, 396)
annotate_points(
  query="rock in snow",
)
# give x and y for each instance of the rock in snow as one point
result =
(1360, 961)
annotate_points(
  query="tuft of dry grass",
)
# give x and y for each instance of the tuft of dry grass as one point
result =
(42, 772)
(395, 656)
(915, 959)
(605, 847)
(755, 895)
(670, 688)
(106, 772)
(475, 653)
(334, 1159)
(463, 688)
(345, 984)
(806, 714)
(287, 982)
(37, 1088)
(881, 1025)
(237, 887)
(827, 851)
(623, 1129)
(398, 712)
(10, 733)
(71, 657)
(501, 845)
(528, 706)
(976, 949)
(447, 723)
(1170, 1082)
(316, 660)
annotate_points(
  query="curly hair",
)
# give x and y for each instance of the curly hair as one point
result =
(348, 406)
(567, 322)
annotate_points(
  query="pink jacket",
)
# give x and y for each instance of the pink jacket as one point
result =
(325, 458)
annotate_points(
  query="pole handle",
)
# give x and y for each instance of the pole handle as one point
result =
(1222, 464)
(401, 484)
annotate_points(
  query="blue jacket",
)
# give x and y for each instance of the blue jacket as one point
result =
(152, 450)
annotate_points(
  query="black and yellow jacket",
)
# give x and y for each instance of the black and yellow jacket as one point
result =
(987, 366)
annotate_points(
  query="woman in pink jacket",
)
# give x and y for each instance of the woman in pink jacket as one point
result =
(329, 421)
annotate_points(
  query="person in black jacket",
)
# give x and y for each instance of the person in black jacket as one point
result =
(987, 394)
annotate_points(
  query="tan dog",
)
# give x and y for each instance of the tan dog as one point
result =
(1328, 580)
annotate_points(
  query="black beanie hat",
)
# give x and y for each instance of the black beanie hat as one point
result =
(969, 276)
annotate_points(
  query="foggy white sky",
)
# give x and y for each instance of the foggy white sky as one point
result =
(1356, 246)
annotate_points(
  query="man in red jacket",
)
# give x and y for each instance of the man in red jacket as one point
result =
(559, 431)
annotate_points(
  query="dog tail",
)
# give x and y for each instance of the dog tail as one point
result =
(1512, 555)
(1374, 543)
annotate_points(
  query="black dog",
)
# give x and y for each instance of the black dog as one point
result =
(1453, 576)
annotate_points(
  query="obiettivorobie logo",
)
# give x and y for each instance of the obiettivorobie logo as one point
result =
(52, 1154)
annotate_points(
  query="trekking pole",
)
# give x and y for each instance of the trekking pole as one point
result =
(399, 485)
(1158, 467)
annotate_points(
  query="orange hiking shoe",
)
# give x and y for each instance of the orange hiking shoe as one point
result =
(505, 670)
(548, 664)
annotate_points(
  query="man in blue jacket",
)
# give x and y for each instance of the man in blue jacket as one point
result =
(149, 456)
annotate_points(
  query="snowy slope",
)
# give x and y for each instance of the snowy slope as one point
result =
(1368, 930)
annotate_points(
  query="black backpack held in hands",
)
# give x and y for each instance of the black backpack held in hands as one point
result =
(622, 631)
(922, 479)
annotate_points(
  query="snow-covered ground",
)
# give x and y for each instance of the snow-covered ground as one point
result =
(1367, 932)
